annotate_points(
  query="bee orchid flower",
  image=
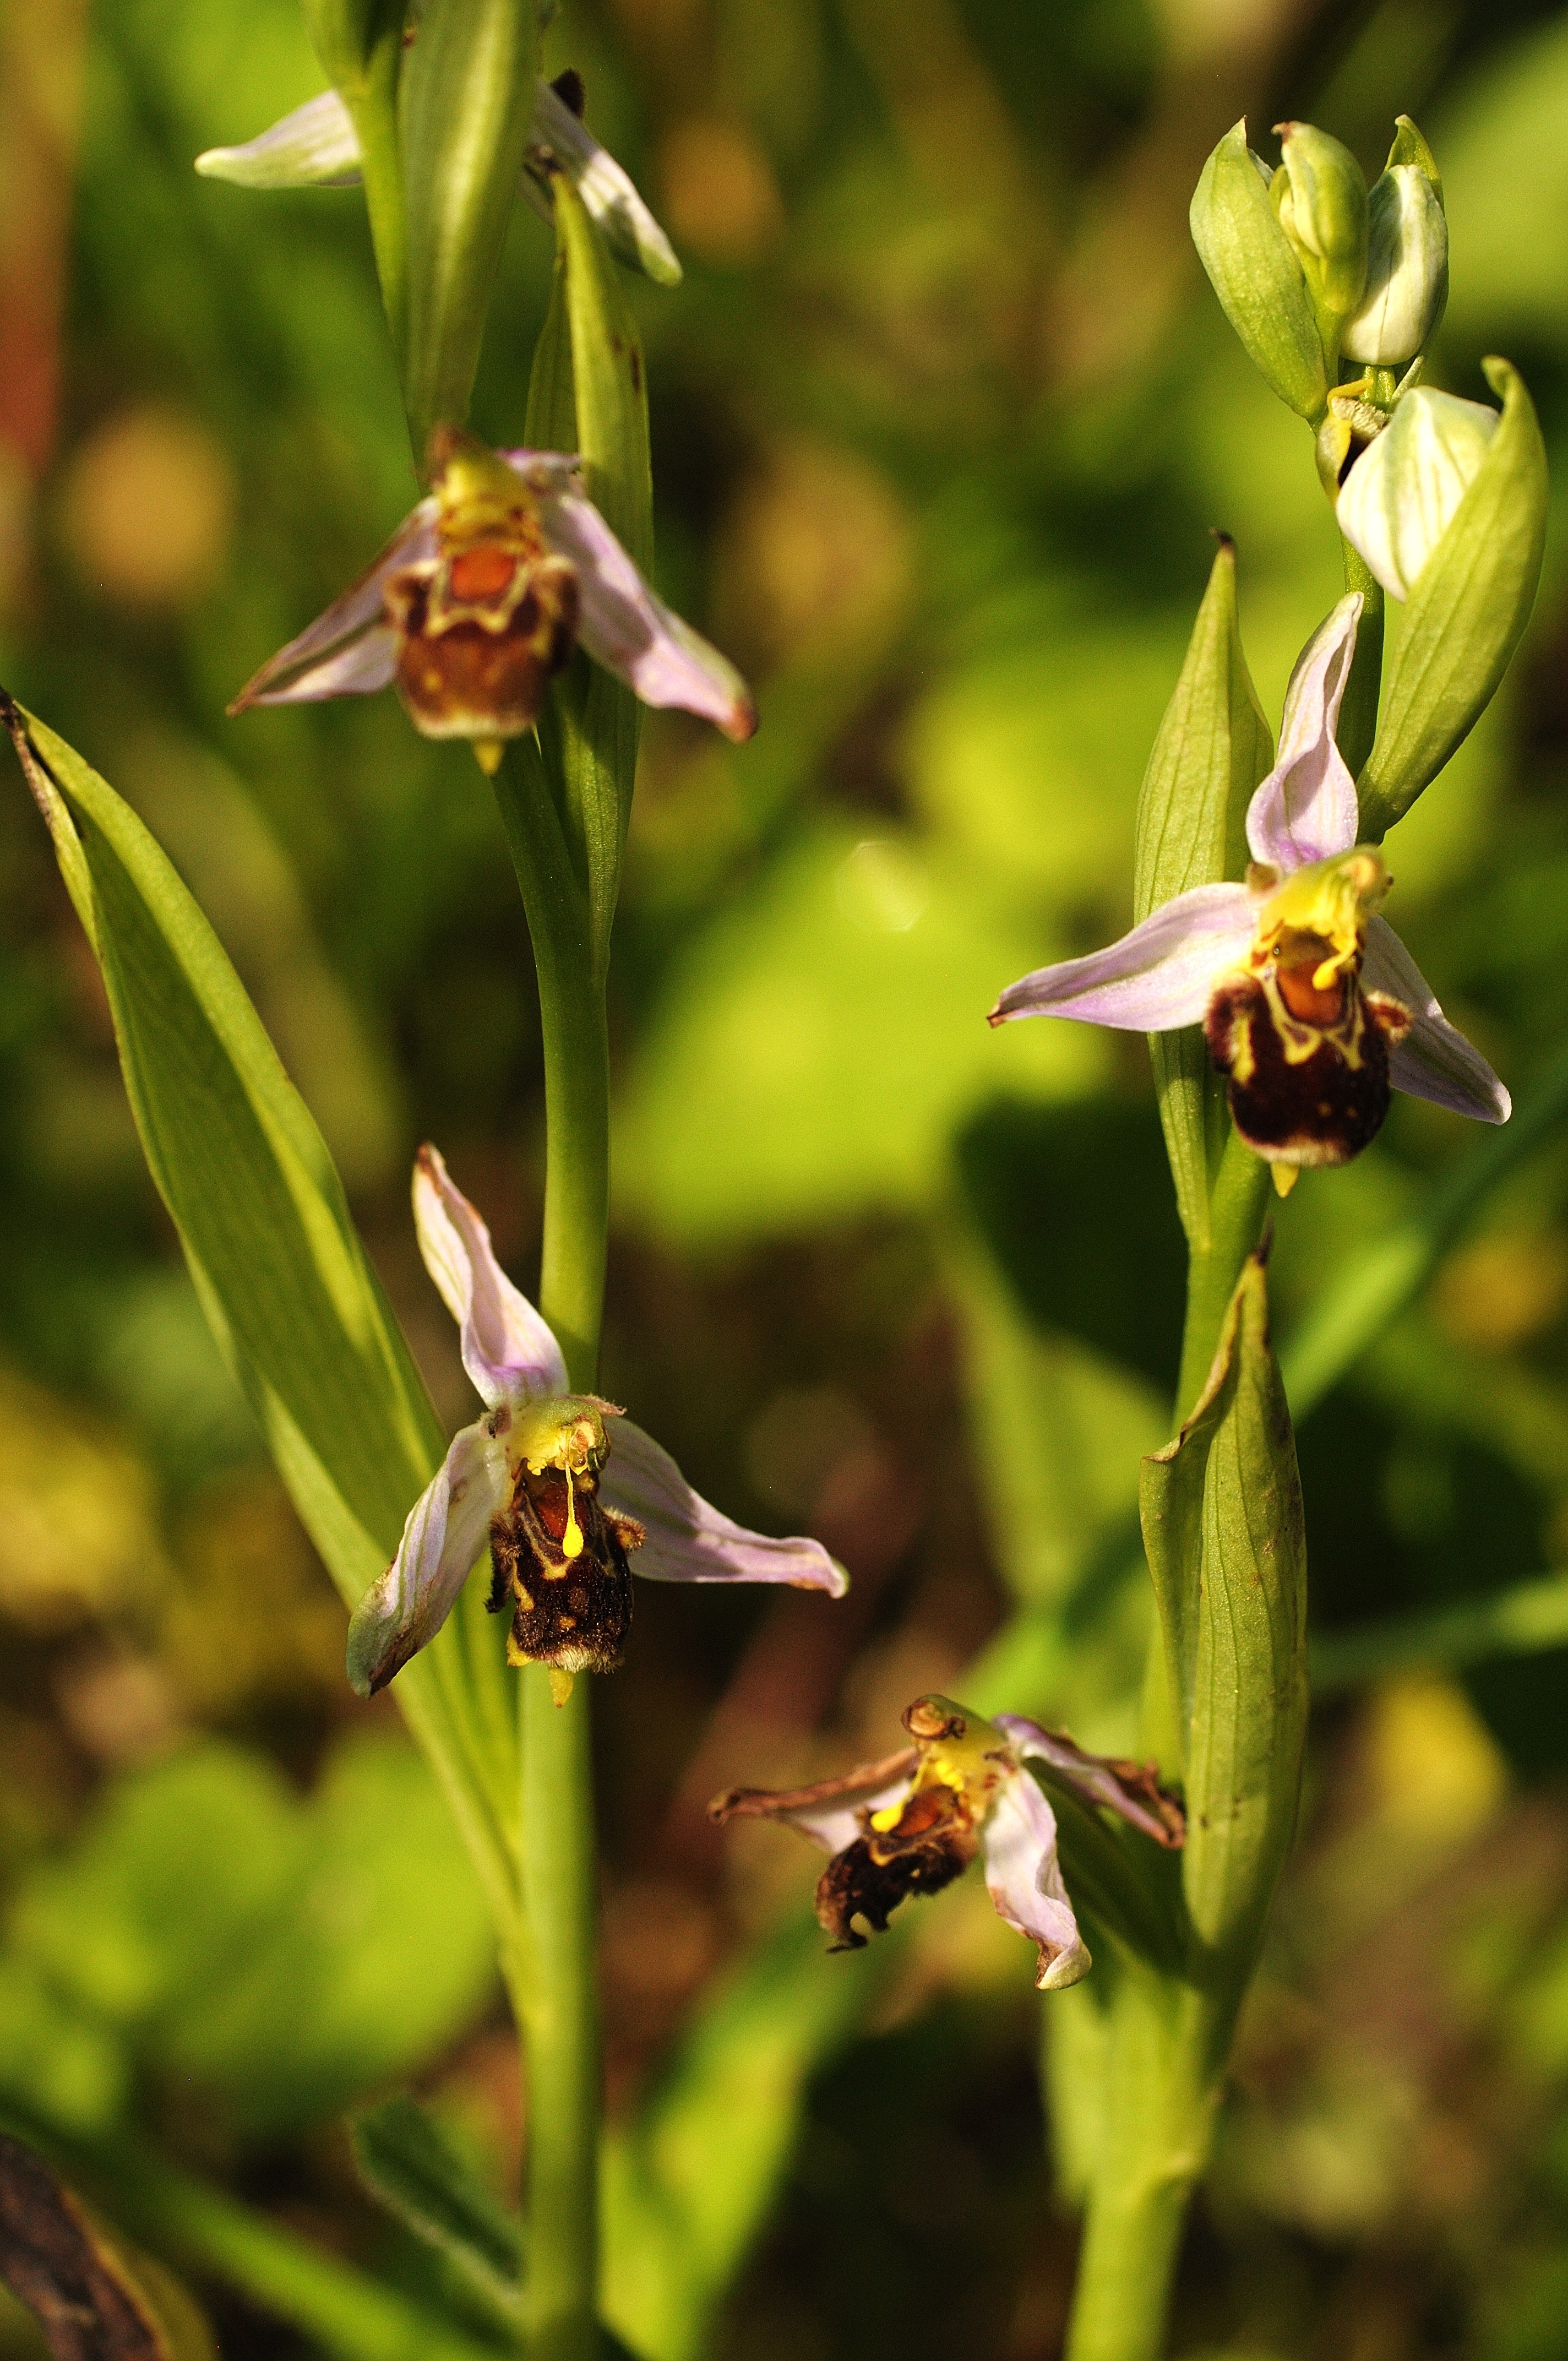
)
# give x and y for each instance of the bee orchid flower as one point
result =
(1312, 1007)
(914, 1822)
(568, 1495)
(481, 595)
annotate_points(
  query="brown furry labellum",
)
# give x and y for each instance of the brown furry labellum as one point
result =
(1307, 1066)
(932, 1841)
(481, 629)
(571, 1611)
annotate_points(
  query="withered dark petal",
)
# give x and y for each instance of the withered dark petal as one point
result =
(1320, 1108)
(573, 1612)
(871, 1877)
(80, 2290)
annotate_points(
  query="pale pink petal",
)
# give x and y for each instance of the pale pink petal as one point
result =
(508, 1351)
(1128, 1789)
(1018, 1845)
(1306, 808)
(633, 634)
(445, 1534)
(1434, 1060)
(1162, 974)
(828, 1812)
(688, 1540)
(347, 651)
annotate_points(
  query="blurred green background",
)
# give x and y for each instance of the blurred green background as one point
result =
(942, 416)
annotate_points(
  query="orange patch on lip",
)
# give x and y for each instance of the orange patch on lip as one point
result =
(1304, 998)
(477, 574)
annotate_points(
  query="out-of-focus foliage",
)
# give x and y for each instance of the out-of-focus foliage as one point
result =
(942, 414)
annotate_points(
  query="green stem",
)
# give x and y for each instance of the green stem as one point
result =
(1358, 713)
(374, 106)
(1237, 1204)
(555, 1988)
(1163, 2073)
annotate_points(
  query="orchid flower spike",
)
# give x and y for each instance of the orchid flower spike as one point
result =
(913, 1823)
(481, 595)
(317, 146)
(1312, 1006)
(564, 1500)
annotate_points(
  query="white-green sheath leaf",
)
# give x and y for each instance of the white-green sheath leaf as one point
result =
(1464, 614)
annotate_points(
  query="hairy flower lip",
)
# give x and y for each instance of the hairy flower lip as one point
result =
(1170, 970)
(971, 1787)
(353, 647)
(516, 1366)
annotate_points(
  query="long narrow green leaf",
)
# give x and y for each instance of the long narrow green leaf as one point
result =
(407, 2161)
(275, 1257)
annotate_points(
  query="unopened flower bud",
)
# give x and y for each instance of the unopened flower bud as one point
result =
(1407, 270)
(1401, 494)
(1320, 194)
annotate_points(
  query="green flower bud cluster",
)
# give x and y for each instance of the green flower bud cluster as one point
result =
(1312, 267)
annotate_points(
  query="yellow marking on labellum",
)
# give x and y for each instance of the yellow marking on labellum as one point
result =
(572, 1539)
(1285, 1178)
(1329, 900)
(487, 753)
(560, 1684)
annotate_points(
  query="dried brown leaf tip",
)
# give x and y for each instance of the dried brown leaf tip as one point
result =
(92, 2301)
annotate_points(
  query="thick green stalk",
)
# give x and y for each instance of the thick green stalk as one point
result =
(1161, 2088)
(1358, 714)
(1237, 1204)
(555, 1992)
(374, 106)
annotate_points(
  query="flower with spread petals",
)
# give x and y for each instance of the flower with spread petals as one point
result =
(914, 1822)
(481, 595)
(1312, 1005)
(317, 146)
(566, 1493)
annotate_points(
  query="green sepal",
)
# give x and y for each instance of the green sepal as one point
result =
(1127, 1886)
(276, 1262)
(1212, 749)
(588, 393)
(411, 2167)
(1255, 272)
(1409, 148)
(1465, 615)
(1222, 1527)
(467, 100)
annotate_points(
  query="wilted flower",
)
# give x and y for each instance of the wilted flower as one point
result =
(1399, 497)
(1407, 270)
(481, 595)
(562, 1488)
(318, 148)
(914, 1822)
(1312, 1005)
